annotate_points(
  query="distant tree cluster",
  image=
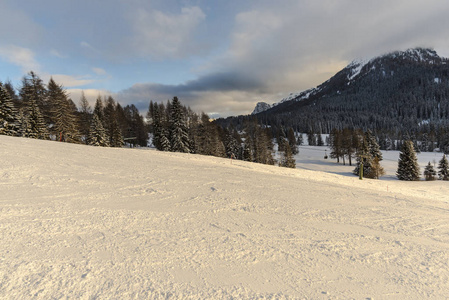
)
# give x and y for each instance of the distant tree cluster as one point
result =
(177, 128)
(45, 111)
(363, 146)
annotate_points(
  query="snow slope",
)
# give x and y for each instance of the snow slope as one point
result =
(87, 222)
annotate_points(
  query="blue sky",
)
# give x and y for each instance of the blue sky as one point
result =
(220, 57)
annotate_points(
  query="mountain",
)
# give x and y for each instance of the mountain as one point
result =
(403, 94)
(260, 107)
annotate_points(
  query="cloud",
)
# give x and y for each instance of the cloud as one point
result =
(19, 56)
(277, 49)
(56, 53)
(99, 71)
(90, 94)
(161, 35)
(70, 81)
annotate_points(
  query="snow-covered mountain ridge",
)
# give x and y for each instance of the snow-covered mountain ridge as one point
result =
(361, 67)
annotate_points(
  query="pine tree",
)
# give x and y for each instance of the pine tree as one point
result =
(429, 172)
(443, 168)
(408, 168)
(363, 157)
(35, 124)
(247, 154)
(63, 115)
(299, 140)
(231, 145)
(287, 159)
(179, 137)
(292, 141)
(9, 123)
(335, 143)
(157, 127)
(117, 137)
(97, 134)
(85, 112)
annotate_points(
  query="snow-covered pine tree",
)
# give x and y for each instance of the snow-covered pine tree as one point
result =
(164, 141)
(179, 137)
(429, 172)
(63, 117)
(35, 124)
(117, 137)
(97, 134)
(373, 145)
(231, 145)
(408, 168)
(9, 123)
(443, 168)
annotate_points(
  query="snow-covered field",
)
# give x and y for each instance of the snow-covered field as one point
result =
(103, 223)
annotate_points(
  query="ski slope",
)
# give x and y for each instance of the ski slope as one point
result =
(104, 223)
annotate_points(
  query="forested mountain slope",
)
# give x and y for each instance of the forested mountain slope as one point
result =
(399, 95)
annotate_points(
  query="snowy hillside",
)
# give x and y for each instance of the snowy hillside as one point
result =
(107, 223)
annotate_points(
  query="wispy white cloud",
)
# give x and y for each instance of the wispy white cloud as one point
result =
(56, 53)
(99, 71)
(20, 56)
(69, 80)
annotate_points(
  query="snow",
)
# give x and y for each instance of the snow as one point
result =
(356, 67)
(89, 222)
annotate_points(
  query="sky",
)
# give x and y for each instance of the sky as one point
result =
(220, 57)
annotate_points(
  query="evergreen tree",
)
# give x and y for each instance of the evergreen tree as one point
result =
(231, 145)
(157, 126)
(85, 113)
(179, 137)
(335, 143)
(363, 157)
(63, 114)
(287, 159)
(110, 119)
(443, 168)
(408, 168)
(299, 140)
(33, 88)
(99, 109)
(429, 172)
(97, 134)
(292, 141)
(247, 154)
(34, 123)
(117, 137)
(136, 129)
(319, 140)
(311, 138)
(9, 123)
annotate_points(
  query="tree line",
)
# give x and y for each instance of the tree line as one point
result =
(347, 144)
(45, 111)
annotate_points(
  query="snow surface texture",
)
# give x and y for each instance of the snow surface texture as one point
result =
(89, 222)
